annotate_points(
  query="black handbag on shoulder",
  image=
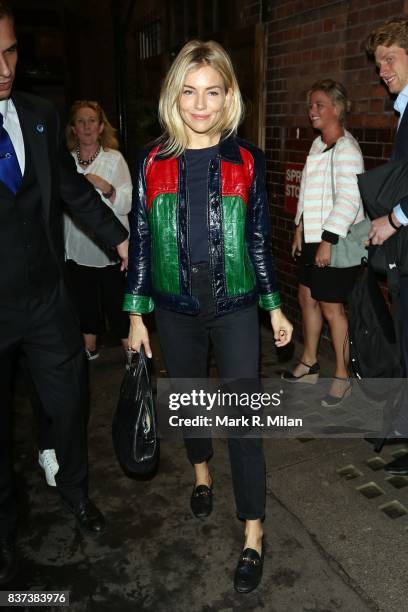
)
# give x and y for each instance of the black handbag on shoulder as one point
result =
(134, 427)
(374, 348)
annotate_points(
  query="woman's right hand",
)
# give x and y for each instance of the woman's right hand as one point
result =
(297, 241)
(138, 335)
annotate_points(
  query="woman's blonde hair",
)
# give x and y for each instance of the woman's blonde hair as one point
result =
(337, 94)
(107, 138)
(193, 56)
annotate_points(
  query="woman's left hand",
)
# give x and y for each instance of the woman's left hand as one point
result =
(282, 328)
(323, 255)
(98, 182)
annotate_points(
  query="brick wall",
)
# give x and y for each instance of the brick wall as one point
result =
(310, 40)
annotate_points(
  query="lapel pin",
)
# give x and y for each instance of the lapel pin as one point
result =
(40, 128)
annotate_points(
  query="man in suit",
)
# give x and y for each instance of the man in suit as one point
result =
(36, 316)
(389, 46)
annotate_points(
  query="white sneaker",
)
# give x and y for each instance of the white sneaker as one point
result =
(48, 462)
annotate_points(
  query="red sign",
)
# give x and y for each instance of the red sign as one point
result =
(293, 175)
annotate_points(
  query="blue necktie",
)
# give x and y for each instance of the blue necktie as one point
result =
(10, 172)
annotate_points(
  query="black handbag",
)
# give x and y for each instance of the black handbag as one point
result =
(374, 348)
(134, 427)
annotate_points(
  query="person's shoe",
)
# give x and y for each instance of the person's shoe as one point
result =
(8, 559)
(89, 519)
(330, 401)
(91, 355)
(249, 571)
(398, 467)
(310, 377)
(201, 501)
(393, 437)
(48, 461)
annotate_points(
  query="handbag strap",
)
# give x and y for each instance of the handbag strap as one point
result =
(332, 173)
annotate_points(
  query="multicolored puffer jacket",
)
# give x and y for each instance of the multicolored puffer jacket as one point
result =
(239, 239)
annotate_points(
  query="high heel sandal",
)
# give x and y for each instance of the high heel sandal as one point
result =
(329, 401)
(309, 377)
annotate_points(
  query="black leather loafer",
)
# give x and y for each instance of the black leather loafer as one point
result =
(89, 519)
(8, 559)
(201, 501)
(249, 571)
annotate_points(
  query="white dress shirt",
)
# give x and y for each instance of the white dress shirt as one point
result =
(12, 124)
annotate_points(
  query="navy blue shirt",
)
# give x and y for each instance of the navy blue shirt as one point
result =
(197, 163)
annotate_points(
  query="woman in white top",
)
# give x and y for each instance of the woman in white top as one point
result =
(329, 204)
(94, 272)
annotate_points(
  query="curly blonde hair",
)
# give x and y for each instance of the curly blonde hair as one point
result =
(107, 138)
(192, 56)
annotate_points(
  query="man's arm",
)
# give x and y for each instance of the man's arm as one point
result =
(85, 204)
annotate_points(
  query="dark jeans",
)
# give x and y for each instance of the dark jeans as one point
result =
(48, 334)
(235, 340)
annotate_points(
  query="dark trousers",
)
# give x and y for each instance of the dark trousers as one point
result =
(95, 292)
(48, 334)
(235, 340)
(401, 421)
(44, 425)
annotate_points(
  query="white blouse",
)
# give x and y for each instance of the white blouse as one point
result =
(79, 243)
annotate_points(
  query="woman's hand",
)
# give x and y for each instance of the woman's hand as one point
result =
(138, 335)
(282, 329)
(98, 182)
(323, 255)
(297, 241)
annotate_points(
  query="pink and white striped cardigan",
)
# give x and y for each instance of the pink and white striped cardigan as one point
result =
(315, 197)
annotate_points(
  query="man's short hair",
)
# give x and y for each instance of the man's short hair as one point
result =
(6, 10)
(392, 32)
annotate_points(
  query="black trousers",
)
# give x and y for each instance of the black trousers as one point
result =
(235, 340)
(401, 421)
(47, 332)
(95, 292)
(44, 425)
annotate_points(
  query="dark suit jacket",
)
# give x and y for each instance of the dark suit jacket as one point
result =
(59, 180)
(400, 151)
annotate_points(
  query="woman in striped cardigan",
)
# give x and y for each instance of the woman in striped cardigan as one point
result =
(329, 204)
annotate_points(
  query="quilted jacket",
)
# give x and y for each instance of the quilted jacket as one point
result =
(239, 239)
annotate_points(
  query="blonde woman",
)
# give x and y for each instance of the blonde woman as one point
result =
(201, 257)
(329, 203)
(94, 273)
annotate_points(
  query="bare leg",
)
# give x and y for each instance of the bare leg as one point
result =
(253, 535)
(90, 341)
(202, 474)
(338, 325)
(312, 327)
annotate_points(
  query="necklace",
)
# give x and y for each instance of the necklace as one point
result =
(86, 162)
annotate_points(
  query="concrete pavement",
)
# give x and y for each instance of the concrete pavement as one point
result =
(330, 545)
